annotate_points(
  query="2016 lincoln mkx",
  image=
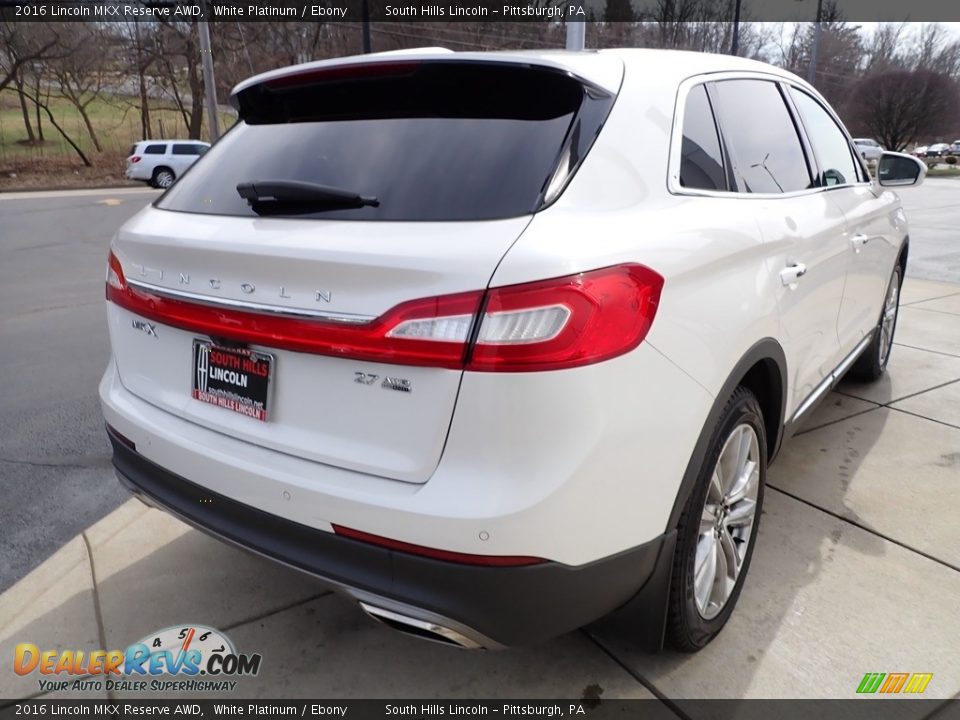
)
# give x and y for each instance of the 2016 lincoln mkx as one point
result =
(499, 344)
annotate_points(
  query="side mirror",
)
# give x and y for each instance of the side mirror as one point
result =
(900, 170)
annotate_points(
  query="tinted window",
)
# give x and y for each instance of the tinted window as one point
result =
(760, 133)
(155, 150)
(701, 162)
(186, 149)
(431, 141)
(837, 166)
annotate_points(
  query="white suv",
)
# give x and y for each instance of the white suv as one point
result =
(160, 162)
(497, 344)
(870, 149)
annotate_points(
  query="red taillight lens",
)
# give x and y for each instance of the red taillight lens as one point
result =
(447, 555)
(135, 159)
(431, 332)
(548, 325)
(567, 322)
(115, 279)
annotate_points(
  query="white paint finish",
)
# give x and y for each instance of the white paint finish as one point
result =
(600, 69)
(527, 453)
(319, 412)
(501, 472)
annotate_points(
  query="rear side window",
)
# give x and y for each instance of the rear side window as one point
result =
(701, 162)
(155, 150)
(187, 149)
(430, 141)
(759, 131)
(837, 166)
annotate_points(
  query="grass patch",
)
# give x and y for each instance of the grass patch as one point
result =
(945, 171)
(116, 122)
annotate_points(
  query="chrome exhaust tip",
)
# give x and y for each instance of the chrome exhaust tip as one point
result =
(423, 629)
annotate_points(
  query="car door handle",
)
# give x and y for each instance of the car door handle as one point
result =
(790, 274)
(859, 240)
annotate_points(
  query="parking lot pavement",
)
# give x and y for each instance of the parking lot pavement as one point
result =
(857, 570)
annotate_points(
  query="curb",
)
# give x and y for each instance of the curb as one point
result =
(52, 188)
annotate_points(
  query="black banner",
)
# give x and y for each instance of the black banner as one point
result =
(543, 11)
(860, 709)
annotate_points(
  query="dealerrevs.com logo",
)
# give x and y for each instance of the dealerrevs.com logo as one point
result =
(183, 658)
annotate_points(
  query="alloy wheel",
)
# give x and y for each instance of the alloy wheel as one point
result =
(727, 521)
(889, 319)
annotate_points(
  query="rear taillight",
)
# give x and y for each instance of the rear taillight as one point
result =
(115, 279)
(548, 325)
(427, 332)
(566, 322)
(134, 159)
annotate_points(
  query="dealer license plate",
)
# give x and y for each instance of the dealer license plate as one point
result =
(233, 378)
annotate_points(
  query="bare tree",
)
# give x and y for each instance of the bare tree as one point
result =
(902, 106)
(79, 71)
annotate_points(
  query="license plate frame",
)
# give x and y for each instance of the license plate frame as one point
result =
(233, 378)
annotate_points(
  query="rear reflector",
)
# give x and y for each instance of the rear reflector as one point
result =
(120, 437)
(547, 325)
(454, 557)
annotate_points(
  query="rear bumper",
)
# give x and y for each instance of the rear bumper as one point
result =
(488, 606)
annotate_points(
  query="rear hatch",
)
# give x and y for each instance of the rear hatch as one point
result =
(285, 290)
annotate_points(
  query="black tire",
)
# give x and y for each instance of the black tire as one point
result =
(163, 177)
(687, 628)
(872, 363)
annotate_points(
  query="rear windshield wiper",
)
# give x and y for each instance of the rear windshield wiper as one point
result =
(294, 196)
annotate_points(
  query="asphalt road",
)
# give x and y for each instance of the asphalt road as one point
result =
(55, 477)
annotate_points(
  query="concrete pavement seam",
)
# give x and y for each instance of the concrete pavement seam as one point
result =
(888, 403)
(917, 302)
(654, 690)
(101, 631)
(924, 417)
(933, 310)
(876, 406)
(269, 613)
(937, 352)
(870, 530)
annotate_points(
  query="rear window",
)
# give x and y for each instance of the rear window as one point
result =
(430, 141)
(187, 149)
(155, 150)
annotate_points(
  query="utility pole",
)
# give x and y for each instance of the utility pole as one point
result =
(815, 48)
(576, 34)
(735, 42)
(365, 10)
(209, 84)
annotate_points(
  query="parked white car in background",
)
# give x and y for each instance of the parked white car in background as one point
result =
(869, 149)
(160, 162)
(498, 344)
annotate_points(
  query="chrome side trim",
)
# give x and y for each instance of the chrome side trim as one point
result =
(444, 634)
(346, 318)
(822, 388)
(833, 378)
